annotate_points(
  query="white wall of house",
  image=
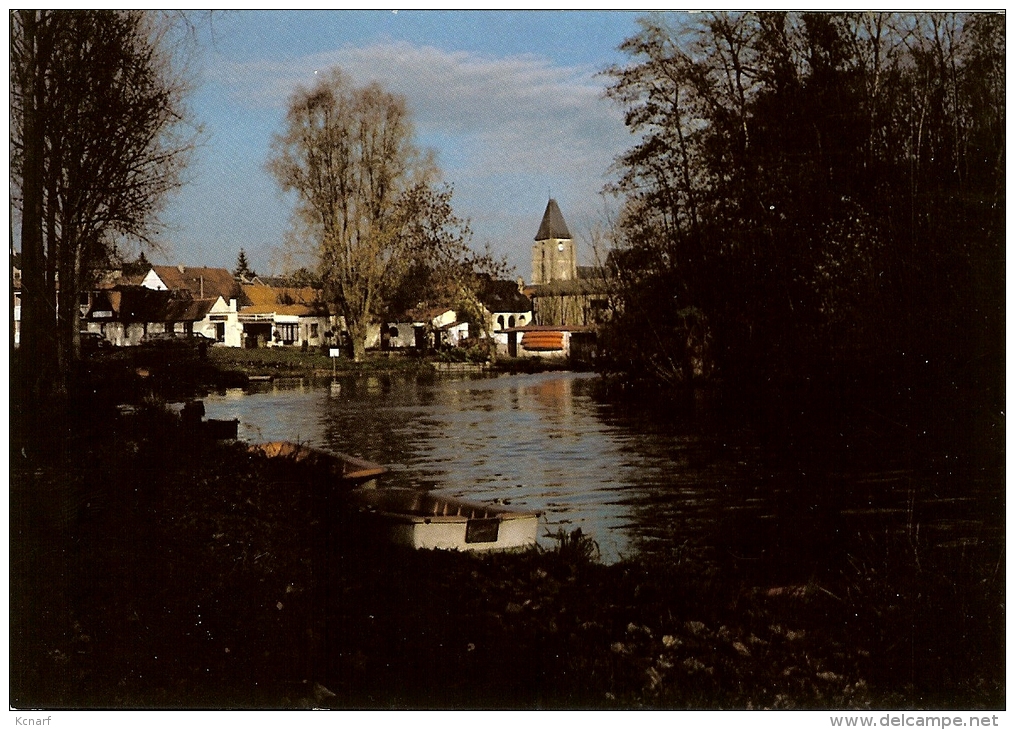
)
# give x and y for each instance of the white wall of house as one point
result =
(285, 330)
(222, 324)
(499, 321)
(312, 330)
(293, 330)
(152, 281)
(120, 334)
(373, 338)
(402, 335)
(503, 320)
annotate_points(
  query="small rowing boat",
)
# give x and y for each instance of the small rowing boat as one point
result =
(424, 520)
(350, 471)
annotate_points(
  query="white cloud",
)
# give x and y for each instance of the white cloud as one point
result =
(521, 113)
(493, 121)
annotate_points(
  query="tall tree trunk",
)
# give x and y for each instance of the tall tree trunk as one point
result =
(68, 312)
(358, 334)
(34, 306)
(10, 316)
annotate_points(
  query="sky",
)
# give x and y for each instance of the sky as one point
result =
(511, 102)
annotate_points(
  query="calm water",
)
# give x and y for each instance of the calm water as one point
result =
(660, 478)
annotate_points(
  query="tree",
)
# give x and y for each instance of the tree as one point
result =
(137, 268)
(366, 198)
(443, 270)
(813, 185)
(243, 270)
(99, 136)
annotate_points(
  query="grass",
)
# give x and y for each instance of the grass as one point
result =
(293, 362)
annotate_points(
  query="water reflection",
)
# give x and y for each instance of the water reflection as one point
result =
(529, 440)
(647, 477)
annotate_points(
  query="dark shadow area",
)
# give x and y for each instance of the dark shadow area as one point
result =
(153, 569)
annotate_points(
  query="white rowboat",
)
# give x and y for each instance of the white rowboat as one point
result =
(423, 520)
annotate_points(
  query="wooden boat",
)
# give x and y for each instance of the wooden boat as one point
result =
(350, 471)
(423, 520)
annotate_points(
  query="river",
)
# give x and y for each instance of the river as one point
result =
(660, 479)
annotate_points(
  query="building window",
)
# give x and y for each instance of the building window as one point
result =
(313, 329)
(500, 321)
(220, 331)
(511, 321)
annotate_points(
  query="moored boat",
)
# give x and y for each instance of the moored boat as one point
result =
(350, 471)
(424, 520)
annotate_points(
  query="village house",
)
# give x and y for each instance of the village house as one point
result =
(208, 301)
(436, 327)
(125, 314)
(505, 307)
(172, 300)
(216, 286)
(274, 316)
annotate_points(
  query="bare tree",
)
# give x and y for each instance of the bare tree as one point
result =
(366, 200)
(99, 136)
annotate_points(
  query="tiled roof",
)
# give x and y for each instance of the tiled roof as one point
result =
(139, 304)
(298, 310)
(187, 310)
(299, 301)
(422, 315)
(553, 225)
(259, 295)
(201, 281)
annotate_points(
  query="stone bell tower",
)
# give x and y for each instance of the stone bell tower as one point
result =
(553, 255)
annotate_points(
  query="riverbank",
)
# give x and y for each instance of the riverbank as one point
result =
(149, 569)
(291, 362)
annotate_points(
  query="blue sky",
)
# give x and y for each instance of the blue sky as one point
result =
(510, 101)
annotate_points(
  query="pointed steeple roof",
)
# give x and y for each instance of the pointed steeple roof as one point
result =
(553, 225)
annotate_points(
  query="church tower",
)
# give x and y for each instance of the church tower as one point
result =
(553, 255)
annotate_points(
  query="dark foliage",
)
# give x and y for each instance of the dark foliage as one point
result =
(243, 270)
(824, 191)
